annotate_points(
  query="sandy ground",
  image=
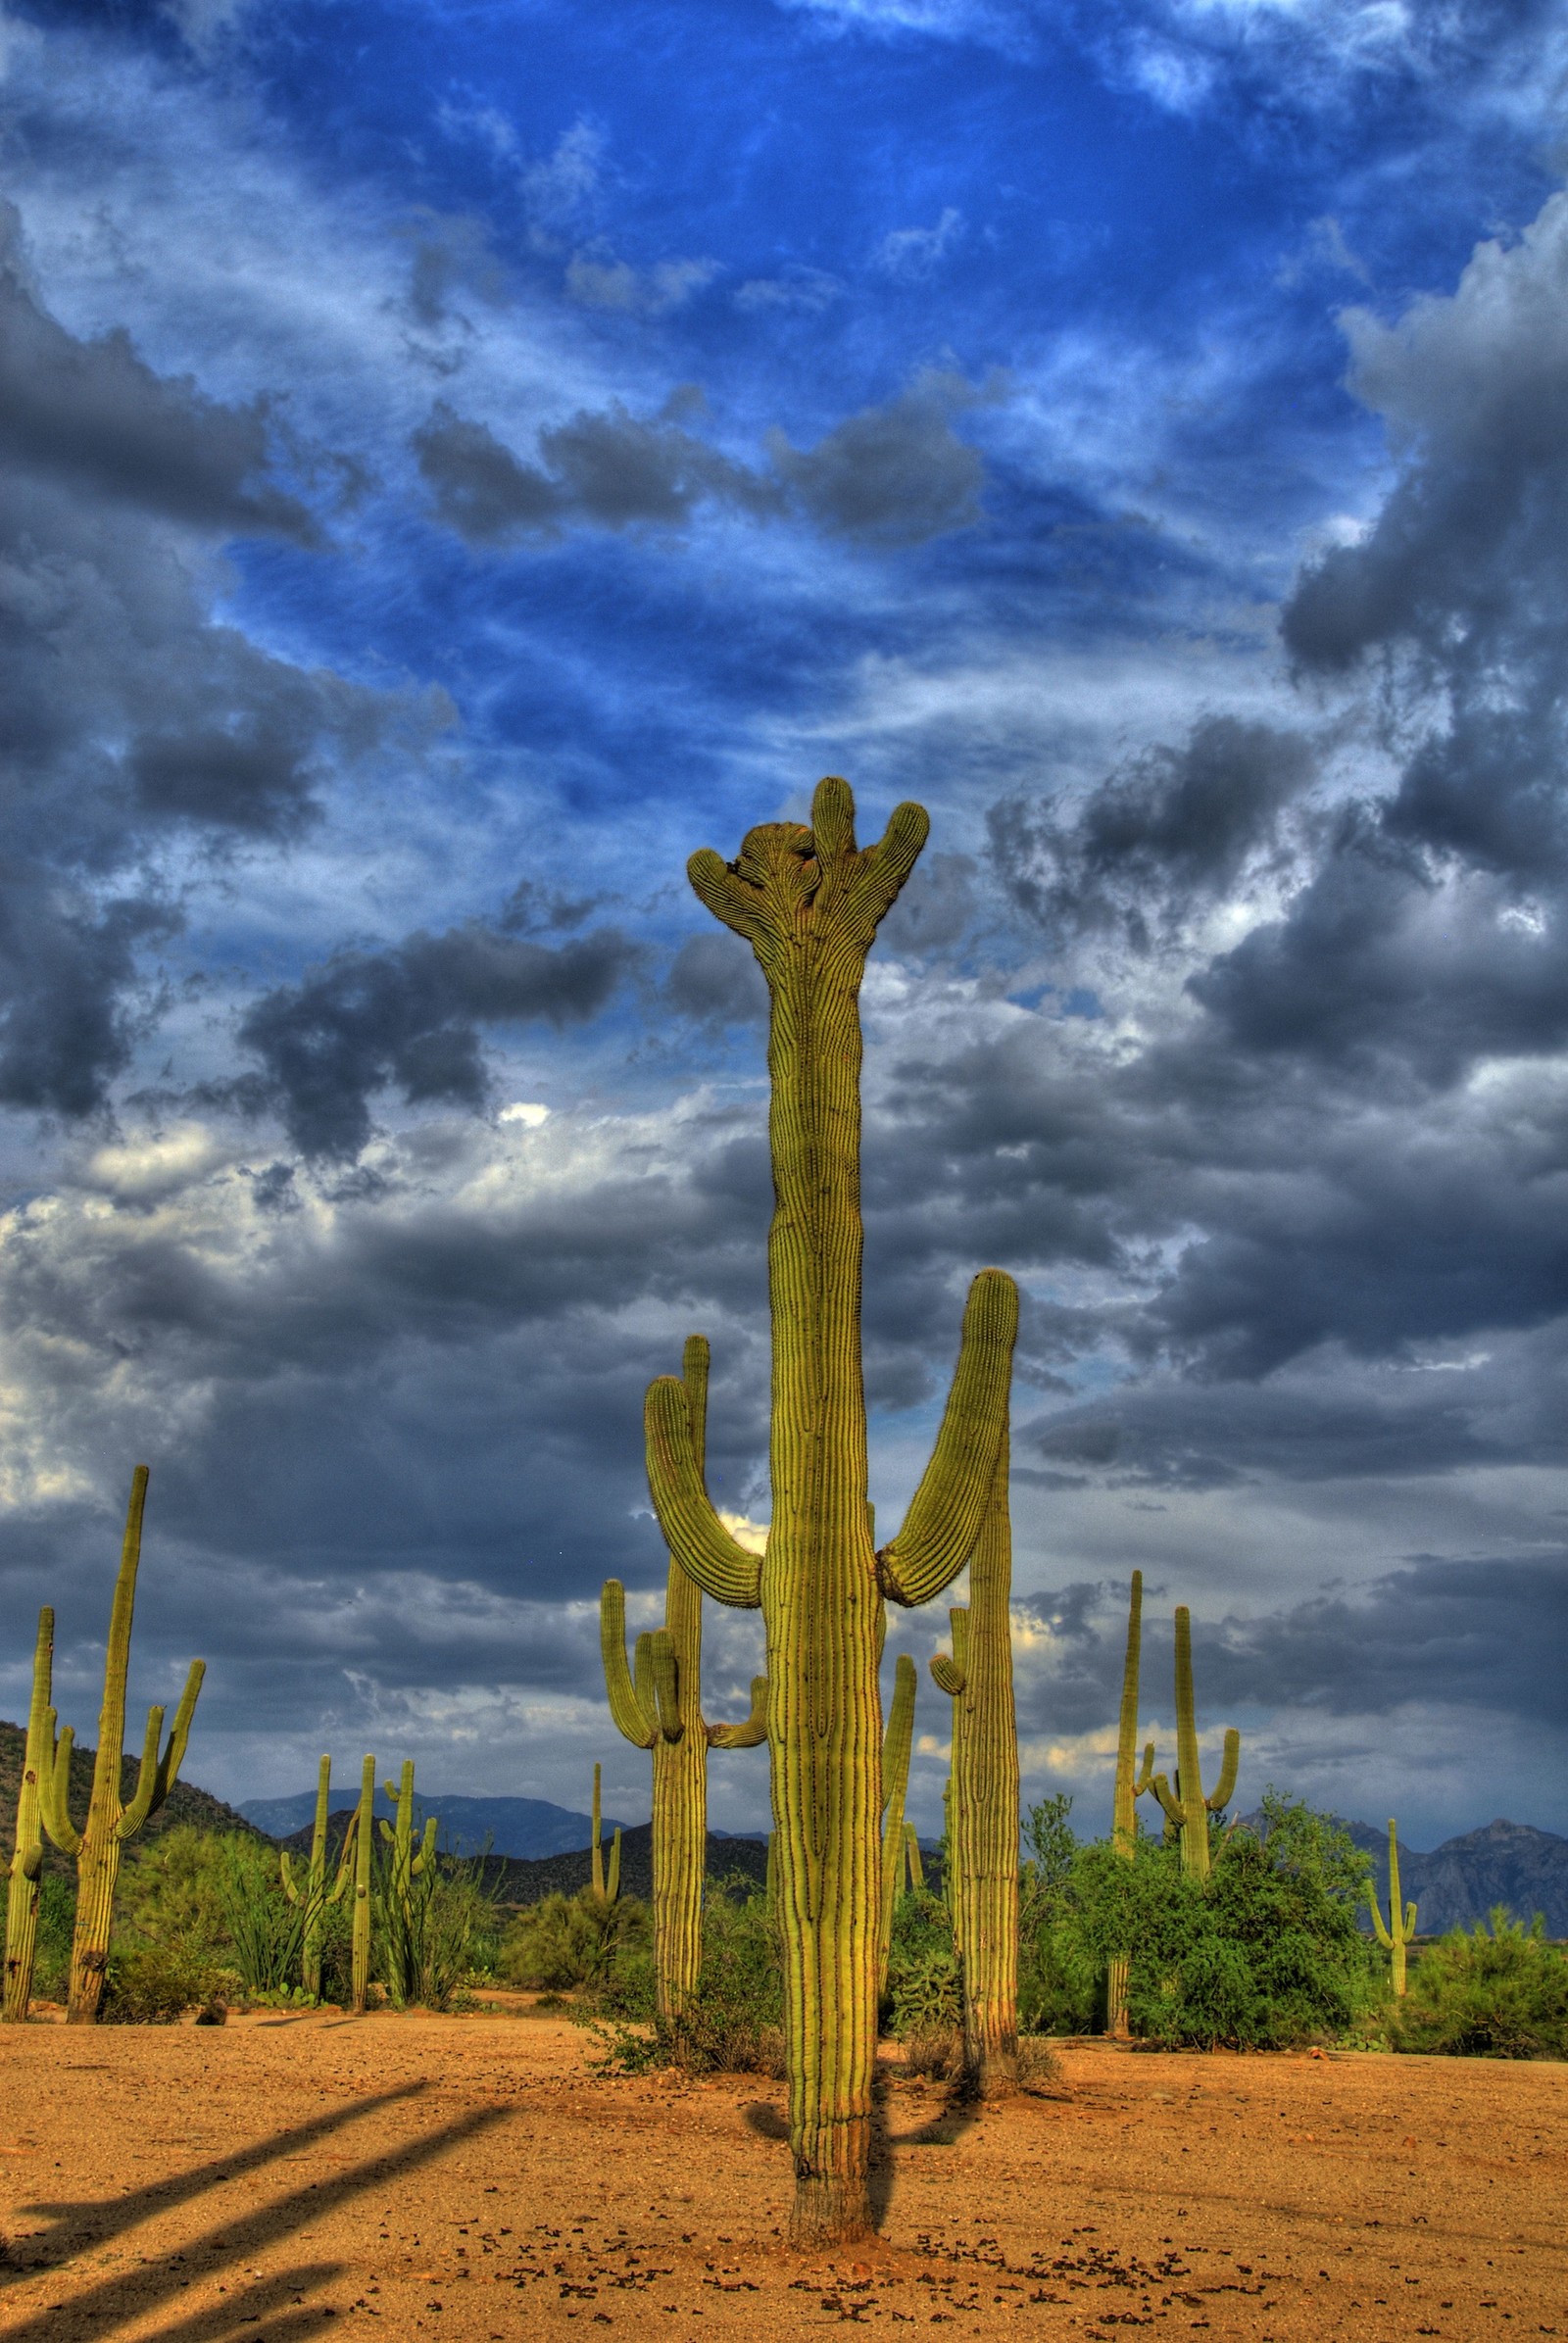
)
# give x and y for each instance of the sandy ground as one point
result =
(470, 2178)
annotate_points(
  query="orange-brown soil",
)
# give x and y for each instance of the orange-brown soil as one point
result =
(468, 2179)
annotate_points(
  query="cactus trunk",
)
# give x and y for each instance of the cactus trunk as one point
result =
(1130, 1786)
(313, 1895)
(896, 1746)
(810, 902)
(26, 1862)
(361, 1832)
(986, 1806)
(109, 1822)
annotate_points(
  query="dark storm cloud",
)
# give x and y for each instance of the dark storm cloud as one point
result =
(714, 980)
(410, 1018)
(95, 416)
(894, 475)
(1172, 830)
(125, 711)
(1487, 1634)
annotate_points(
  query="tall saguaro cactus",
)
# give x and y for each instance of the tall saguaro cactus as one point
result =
(658, 1705)
(808, 902)
(1131, 1784)
(983, 1818)
(313, 1895)
(355, 1864)
(1187, 1809)
(110, 1820)
(26, 1862)
(1401, 1926)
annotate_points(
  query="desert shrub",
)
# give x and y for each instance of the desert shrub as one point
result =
(734, 2022)
(154, 1984)
(57, 1921)
(261, 1929)
(567, 1942)
(1263, 1954)
(438, 1935)
(1498, 1993)
(924, 1997)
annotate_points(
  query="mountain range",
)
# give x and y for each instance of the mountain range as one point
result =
(525, 1828)
(1462, 1880)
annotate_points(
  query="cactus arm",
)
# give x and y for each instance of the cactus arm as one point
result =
(178, 1741)
(1175, 1810)
(1409, 1921)
(1372, 1905)
(1145, 1772)
(291, 1886)
(631, 1718)
(730, 898)
(54, 1790)
(26, 1862)
(132, 1817)
(421, 1861)
(946, 1675)
(944, 1519)
(1224, 1788)
(693, 1532)
(754, 1728)
(666, 1684)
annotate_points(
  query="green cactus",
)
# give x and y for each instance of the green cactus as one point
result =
(402, 1904)
(1187, 1809)
(914, 1869)
(605, 1889)
(354, 1864)
(810, 902)
(950, 1673)
(27, 1863)
(110, 1820)
(897, 1742)
(1131, 1784)
(657, 1704)
(313, 1893)
(983, 1813)
(1395, 1934)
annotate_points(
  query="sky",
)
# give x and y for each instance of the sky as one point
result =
(457, 457)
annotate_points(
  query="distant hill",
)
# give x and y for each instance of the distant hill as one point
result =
(184, 1804)
(528, 1827)
(515, 1881)
(1459, 1882)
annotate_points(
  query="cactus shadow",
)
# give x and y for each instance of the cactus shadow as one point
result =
(153, 2283)
(943, 2131)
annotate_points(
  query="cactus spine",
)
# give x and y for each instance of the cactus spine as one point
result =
(656, 1706)
(897, 1743)
(1131, 1784)
(808, 902)
(1400, 1927)
(109, 1822)
(313, 1895)
(1187, 1809)
(27, 1863)
(983, 1821)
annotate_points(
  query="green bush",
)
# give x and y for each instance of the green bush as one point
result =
(568, 1942)
(154, 1984)
(734, 2022)
(262, 1931)
(1265, 1953)
(57, 1922)
(924, 1995)
(1501, 1993)
(439, 1935)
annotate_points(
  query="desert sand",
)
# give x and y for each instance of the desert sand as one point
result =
(470, 2178)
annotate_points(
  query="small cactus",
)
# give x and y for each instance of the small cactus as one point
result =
(1131, 1784)
(656, 1706)
(1187, 1809)
(897, 1742)
(27, 1863)
(1394, 1934)
(354, 1864)
(606, 1886)
(914, 1869)
(312, 1895)
(110, 1820)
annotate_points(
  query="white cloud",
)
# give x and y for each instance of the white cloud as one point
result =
(911, 255)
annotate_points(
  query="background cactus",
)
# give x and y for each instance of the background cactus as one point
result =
(1131, 1784)
(605, 1889)
(355, 1864)
(109, 1822)
(983, 1814)
(897, 1743)
(915, 1872)
(658, 1705)
(808, 902)
(313, 1894)
(1187, 1809)
(402, 1902)
(26, 1862)
(1397, 1933)
(949, 1672)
